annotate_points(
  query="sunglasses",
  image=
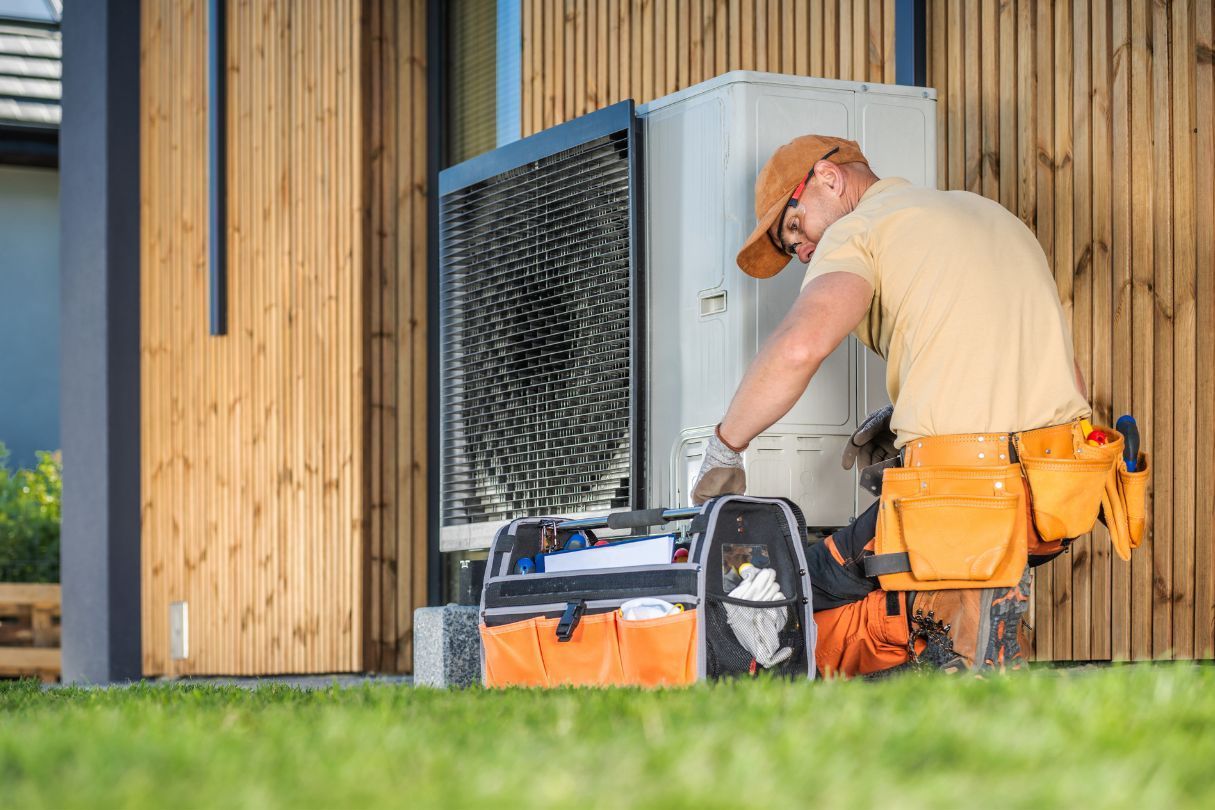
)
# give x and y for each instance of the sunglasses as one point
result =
(794, 201)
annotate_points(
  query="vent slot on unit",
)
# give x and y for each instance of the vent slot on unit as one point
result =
(539, 345)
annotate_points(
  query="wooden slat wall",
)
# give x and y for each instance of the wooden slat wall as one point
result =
(396, 553)
(253, 482)
(1092, 120)
(644, 49)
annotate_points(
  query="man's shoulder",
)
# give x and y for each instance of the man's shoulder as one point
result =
(894, 194)
(943, 205)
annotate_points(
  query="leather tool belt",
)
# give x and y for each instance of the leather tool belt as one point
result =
(961, 511)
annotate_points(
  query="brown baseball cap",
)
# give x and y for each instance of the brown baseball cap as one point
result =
(777, 181)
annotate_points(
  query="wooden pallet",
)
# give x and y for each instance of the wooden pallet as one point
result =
(29, 630)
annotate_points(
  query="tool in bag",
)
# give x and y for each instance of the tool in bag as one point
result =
(738, 605)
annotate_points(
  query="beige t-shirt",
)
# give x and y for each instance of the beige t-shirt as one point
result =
(964, 311)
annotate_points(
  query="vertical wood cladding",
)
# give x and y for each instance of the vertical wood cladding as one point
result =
(395, 573)
(580, 55)
(284, 474)
(1093, 122)
(253, 483)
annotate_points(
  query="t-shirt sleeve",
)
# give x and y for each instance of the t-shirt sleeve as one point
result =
(844, 249)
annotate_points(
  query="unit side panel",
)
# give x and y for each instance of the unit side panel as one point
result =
(694, 358)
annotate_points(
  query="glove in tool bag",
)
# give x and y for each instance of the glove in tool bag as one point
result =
(566, 627)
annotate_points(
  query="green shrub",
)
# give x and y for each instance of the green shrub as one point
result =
(29, 519)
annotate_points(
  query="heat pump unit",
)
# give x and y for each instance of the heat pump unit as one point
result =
(594, 324)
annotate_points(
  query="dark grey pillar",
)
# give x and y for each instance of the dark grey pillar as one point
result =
(99, 284)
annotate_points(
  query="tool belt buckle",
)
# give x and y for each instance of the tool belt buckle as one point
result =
(871, 476)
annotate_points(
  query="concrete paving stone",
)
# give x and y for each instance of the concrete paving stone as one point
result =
(446, 646)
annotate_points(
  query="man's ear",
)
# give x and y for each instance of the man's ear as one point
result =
(831, 176)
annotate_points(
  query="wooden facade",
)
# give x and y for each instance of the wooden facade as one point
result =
(282, 484)
(284, 471)
(396, 558)
(580, 55)
(1092, 120)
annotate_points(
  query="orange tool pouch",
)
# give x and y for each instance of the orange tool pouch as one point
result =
(1124, 505)
(964, 510)
(1071, 481)
(953, 516)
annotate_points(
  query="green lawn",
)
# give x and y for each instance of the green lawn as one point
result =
(1121, 737)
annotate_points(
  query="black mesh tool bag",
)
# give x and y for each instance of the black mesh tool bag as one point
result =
(738, 546)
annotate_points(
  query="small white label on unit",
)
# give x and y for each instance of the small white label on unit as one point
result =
(179, 630)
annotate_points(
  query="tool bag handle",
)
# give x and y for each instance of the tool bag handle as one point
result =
(637, 519)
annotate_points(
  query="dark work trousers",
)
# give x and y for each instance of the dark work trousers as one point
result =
(833, 584)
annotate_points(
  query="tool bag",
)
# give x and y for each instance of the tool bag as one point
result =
(565, 628)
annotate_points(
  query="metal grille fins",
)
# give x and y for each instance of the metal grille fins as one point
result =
(536, 331)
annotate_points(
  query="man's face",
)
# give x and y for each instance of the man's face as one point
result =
(799, 229)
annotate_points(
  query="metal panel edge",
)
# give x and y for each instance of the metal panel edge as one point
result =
(602, 122)
(637, 313)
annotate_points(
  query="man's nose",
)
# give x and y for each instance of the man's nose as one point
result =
(804, 251)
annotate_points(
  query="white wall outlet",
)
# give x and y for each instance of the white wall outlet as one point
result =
(179, 630)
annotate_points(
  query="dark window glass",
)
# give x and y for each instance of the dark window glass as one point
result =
(484, 55)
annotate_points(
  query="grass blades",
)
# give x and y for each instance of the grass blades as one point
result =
(1130, 736)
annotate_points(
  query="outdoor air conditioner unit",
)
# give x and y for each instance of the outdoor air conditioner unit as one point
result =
(594, 324)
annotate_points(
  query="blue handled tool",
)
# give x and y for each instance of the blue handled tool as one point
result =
(576, 542)
(1130, 449)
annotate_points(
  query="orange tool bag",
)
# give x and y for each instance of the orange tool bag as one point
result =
(582, 625)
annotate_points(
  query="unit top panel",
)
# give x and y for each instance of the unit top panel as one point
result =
(784, 80)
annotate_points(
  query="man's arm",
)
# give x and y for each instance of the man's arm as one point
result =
(828, 308)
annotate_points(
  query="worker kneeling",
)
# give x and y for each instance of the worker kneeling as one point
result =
(985, 465)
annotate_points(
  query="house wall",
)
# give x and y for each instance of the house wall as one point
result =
(1090, 120)
(254, 486)
(580, 55)
(284, 465)
(1093, 121)
(397, 469)
(29, 311)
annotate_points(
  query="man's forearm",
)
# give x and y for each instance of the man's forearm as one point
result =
(828, 308)
(774, 382)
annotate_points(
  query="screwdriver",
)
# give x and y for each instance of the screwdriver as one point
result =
(1130, 450)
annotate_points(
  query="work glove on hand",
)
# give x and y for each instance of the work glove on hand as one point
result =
(758, 629)
(721, 473)
(873, 441)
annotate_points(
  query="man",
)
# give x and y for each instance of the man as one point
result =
(955, 293)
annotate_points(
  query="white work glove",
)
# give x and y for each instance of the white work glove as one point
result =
(758, 629)
(721, 473)
(873, 441)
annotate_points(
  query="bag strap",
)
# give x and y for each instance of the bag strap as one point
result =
(880, 564)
